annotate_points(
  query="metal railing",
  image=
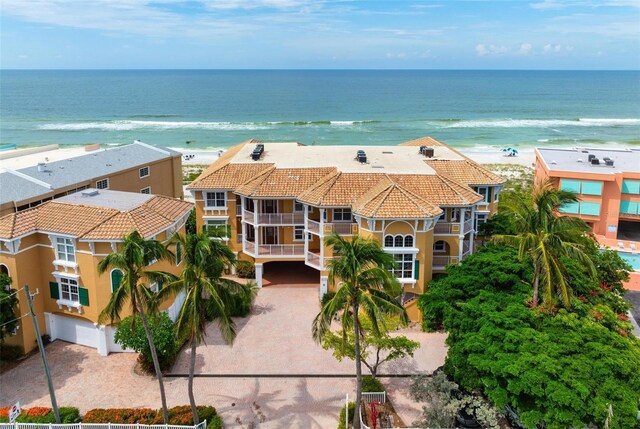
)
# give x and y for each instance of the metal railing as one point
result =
(249, 217)
(281, 218)
(273, 249)
(201, 425)
(313, 227)
(452, 227)
(345, 228)
(439, 262)
(313, 259)
(369, 397)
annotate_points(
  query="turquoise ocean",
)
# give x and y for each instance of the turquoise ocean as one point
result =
(201, 109)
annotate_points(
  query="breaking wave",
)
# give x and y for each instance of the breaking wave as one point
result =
(543, 123)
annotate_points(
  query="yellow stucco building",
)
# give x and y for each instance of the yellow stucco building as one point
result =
(56, 247)
(422, 200)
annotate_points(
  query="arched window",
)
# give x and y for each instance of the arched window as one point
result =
(408, 241)
(4, 269)
(388, 241)
(399, 241)
(440, 246)
(116, 279)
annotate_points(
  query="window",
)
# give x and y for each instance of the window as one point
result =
(155, 287)
(342, 215)
(404, 265)
(146, 190)
(298, 233)
(216, 226)
(455, 215)
(298, 207)
(398, 240)
(116, 279)
(440, 247)
(631, 187)
(215, 199)
(65, 250)
(583, 208)
(178, 253)
(69, 290)
(485, 191)
(144, 172)
(481, 218)
(629, 207)
(102, 184)
(584, 187)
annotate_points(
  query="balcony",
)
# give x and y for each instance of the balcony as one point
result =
(281, 218)
(452, 228)
(265, 250)
(249, 217)
(341, 228)
(440, 262)
(313, 260)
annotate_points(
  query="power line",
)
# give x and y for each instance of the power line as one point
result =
(17, 318)
(9, 296)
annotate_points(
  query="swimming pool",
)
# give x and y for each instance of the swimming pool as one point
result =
(632, 259)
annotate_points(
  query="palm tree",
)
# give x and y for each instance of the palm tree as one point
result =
(366, 285)
(134, 256)
(545, 237)
(204, 262)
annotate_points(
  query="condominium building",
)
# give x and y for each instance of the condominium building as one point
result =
(31, 176)
(608, 184)
(421, 200)
(55, 249)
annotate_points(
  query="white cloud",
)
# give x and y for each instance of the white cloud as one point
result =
(551, 48)
(490, 50)
(525, 49)
(396, 56)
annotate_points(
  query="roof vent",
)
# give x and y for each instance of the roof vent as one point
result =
(361, 156)
(580, 160)
(257, 152)
(41, 166)
(89, 193)
(553, 162)
(595, 161)
(609, 162)
(427, 151)
(584, 151)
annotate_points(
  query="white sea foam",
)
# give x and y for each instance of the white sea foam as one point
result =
(543, 123)
(151, 125)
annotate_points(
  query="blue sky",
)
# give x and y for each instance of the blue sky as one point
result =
(116, 34)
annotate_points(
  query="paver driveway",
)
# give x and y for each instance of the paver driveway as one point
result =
(276, 339)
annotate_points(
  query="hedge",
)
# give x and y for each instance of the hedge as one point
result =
(42, 415)
(180, 415)
(352, 410)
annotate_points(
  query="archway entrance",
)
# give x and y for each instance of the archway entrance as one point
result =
(289, 274)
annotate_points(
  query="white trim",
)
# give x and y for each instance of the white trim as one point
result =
(144, 189)
(394, 250)
(140, 176)
(102, 180)
(153, 147)
(69, 304)
(27, 177)
(58, 274)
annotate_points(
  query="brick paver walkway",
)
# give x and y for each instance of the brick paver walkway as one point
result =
(275, 339)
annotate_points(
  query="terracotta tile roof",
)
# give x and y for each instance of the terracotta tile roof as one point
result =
(465, 171)
(340, 189)
(390, 200)
(437, 189)
(283, 182)
(94, 222)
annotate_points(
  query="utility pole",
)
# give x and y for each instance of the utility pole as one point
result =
(52, 394)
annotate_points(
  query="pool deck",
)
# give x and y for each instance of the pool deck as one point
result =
(634, 276)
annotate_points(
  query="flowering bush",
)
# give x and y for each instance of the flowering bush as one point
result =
(38, 411)
(42, 415)
(180, 415)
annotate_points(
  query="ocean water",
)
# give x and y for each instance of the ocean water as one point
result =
(201, 109)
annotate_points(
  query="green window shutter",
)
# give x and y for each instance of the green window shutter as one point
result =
(54, 290)
(116, 279)
(83, 293)
(591, 209)
(570, 185)
(489, 194)
(570, 208)
(592, 188)
(178, 254)
(416, 269)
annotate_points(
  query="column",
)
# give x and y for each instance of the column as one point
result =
(233, 266)
(324, 280)
(461, 236)
(256, 211)
(306, 235)
(259, 274)
(472, 237)
(101, 336)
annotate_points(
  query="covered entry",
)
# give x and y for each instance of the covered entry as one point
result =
(289, 273)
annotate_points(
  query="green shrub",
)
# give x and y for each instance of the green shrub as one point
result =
(42, 415)
(240, 305)
(352, 410)
(130, 334)
(180, 415)
(326, 298)
(370, 384)
(214, 423)
(245, 270)
(10, 353)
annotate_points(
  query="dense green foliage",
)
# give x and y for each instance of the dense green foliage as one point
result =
(190, 226)
(130, 334)
(371, 384)
(180, 415)
(552, 366)
(343, 417)
(8, 304)
(245, 270)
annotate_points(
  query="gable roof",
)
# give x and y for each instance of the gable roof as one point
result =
(340, 189)
(390, 200)
(283, 182)
(465, 171)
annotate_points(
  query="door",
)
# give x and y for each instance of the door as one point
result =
(269, 206)
(269, 235)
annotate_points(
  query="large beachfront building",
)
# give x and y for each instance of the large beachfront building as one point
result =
(421, 200)
(31, 176)
(56, 247)
(608, 183)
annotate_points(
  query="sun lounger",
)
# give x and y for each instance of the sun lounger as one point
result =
(633, 246)
(621, 244)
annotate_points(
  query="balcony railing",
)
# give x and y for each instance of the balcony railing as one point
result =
(466, 248)
(313, 227)
(239, 238)
(281, 218)
(238, 210)
(440, 262)
(452, 227)
(342, 228)
(249, 217)
(274, 249)
(313, 259)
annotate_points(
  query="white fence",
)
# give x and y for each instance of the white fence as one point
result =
(201, 425)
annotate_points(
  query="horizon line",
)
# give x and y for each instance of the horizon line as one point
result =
(316, 69)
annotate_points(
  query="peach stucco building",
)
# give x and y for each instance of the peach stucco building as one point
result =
(421, 200)
(55, 248)
(608, 184)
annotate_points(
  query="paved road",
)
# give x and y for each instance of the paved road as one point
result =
(276, 338)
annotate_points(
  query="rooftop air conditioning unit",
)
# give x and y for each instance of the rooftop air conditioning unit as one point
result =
(595, 161)
(257, 152)
(591, 157)
(361, 156)
(609, 162)
(427, 151)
